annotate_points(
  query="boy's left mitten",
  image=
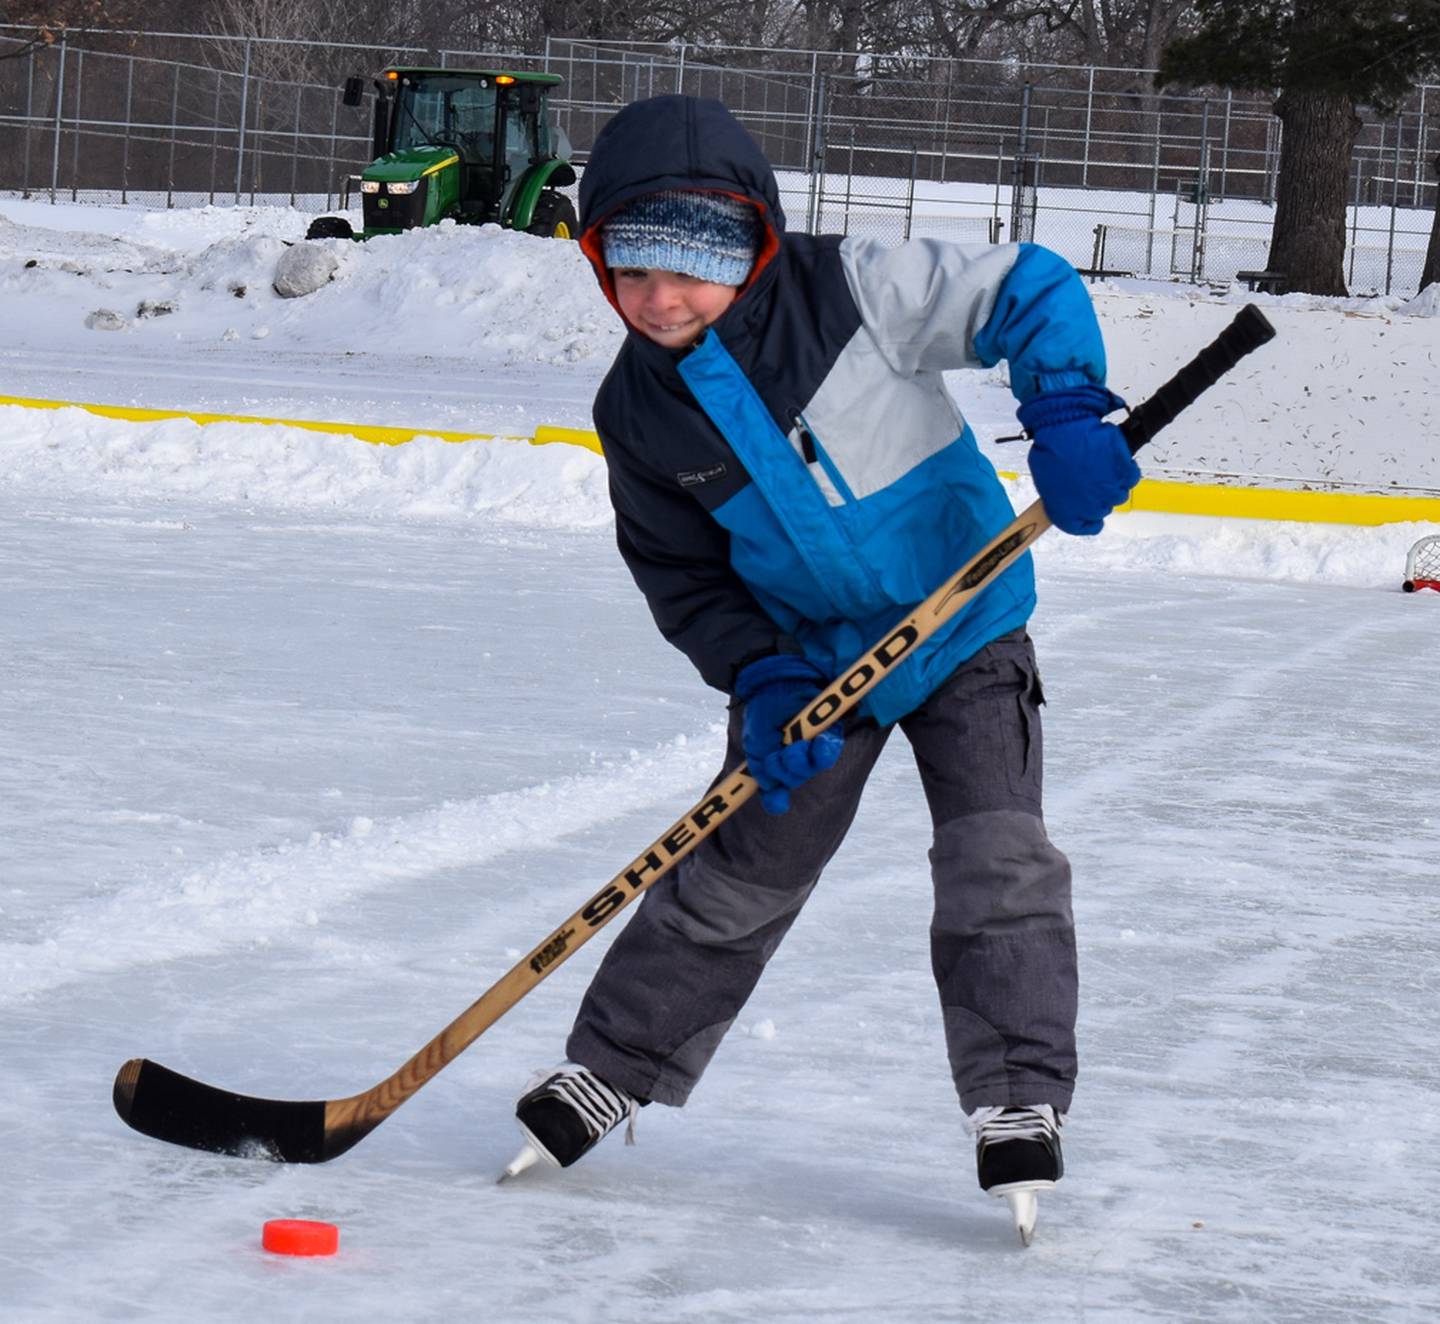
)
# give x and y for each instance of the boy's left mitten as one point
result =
(774, 690)
(1081, 464)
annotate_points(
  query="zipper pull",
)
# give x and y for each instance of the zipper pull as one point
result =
(807, 440)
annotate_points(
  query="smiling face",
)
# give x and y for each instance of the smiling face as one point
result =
(668, 307)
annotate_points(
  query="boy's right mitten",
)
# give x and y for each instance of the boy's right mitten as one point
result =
(774, 690)
(1081, 465)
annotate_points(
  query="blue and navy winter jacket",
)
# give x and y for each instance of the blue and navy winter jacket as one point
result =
(800, 480)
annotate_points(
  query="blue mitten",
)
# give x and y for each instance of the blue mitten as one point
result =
(774, 689)
(1081, 465)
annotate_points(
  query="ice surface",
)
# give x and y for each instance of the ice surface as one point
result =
(307, 742)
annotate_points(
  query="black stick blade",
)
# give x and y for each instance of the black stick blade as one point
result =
(163, 1104)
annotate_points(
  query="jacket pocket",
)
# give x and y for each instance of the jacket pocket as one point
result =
(821, 466)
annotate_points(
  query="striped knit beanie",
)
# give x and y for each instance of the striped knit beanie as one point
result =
(710, 236)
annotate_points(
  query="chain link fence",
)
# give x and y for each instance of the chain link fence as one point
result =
(1092, 162)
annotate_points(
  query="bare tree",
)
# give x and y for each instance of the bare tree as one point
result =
(48, 22)
(1118, 33)
(304, 44)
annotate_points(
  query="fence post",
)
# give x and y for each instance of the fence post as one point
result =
(29, 121)
(1202, 213)
(680, 71)
(945, 119)
(295, 146)
(174, 124)
(1154, 192)
(849, 184)
(75, 133)
(1225, 144)
(910, 201)
(1089, 119)
(1202, 197)
(59, 112)
(1355, 220)
(129, 119)
(244, 115)
(334, 147)
(1419, 149)
(810, 146)
(257, 154)
(1394, 201)
(817, 151)
(1272, 158)
(215, 136)
(1017, 172)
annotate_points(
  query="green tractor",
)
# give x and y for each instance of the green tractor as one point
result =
(474, 145)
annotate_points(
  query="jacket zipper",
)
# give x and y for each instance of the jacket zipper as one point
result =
(808, 449)
(811, 452)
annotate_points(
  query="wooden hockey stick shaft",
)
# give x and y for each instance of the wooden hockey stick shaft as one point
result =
(171, 1107)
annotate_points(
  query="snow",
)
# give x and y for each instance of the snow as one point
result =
(309, 741)
(1424, 304)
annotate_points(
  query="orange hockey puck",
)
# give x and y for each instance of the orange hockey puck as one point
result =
(300, 1236)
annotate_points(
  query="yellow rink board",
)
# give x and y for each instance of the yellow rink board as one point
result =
(378, 435)
(1158, 495)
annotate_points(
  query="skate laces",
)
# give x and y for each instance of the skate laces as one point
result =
(600, 1105)
(1028, 1122)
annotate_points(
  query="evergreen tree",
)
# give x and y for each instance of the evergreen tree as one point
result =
(1326, 58)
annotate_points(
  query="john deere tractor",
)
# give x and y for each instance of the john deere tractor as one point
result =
(473, 145)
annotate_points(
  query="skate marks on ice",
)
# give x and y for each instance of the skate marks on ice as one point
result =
(1257, 916)
(253, 896)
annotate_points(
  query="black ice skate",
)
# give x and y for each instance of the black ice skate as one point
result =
(565, 1114)
(1017, 1153)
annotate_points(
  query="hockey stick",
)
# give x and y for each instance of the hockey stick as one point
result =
(171, 1107)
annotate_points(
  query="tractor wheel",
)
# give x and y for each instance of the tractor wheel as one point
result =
(330, 227)
(554, 217)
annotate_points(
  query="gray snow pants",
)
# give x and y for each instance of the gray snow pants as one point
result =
(1002, 938)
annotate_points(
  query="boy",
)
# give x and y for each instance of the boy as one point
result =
(790, 478)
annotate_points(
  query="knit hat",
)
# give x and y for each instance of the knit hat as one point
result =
(710, 236)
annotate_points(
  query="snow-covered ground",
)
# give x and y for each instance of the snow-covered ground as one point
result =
(284, 717)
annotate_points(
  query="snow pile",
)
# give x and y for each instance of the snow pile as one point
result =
(1334, 554)
(450, 290)
(1424, 304)
(76, 252)
(280, 468)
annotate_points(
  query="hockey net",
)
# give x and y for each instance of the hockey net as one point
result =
(1422, 565)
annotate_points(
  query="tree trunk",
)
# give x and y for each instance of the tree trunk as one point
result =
(1308, 240)
(1431, 273)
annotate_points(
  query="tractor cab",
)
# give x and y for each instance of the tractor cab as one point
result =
(474, 145)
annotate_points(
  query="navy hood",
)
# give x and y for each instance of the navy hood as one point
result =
(675, 142)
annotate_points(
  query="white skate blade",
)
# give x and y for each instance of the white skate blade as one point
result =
(1025, 1209)
(1024, 1204)
(528, 1157)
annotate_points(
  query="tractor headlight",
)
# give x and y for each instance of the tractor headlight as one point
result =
(369, 186)
(407, 186)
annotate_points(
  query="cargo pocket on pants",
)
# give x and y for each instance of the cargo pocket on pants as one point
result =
(1018, 714)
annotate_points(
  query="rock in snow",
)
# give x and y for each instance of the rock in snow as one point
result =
(303, 269)
(106, 319)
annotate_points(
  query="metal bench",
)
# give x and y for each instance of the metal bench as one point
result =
(1267, 282)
